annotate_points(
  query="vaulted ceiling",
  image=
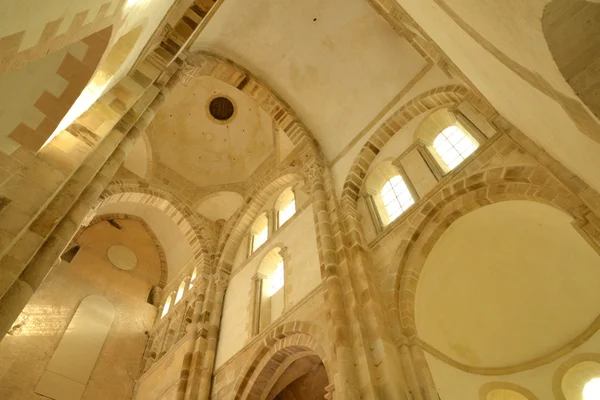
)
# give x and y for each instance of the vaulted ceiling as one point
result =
(337, 63)
(206, 151)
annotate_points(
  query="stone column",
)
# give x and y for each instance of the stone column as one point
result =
(184, 376)
(423, 373)
(345, 381)
(200, 344)
(208, 362)
(17, 296)
(255, 300)
(392, 382)
(287, 281)
(147, 355)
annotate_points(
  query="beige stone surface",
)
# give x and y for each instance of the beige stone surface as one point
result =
(122, 257)
(485, 288)
(44, 321)
(203, 151)
(320, 75)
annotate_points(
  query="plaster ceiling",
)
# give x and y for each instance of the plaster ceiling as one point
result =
(220, 205)
(137, 160)
(337, 62)
(507, 283)
(205, 151)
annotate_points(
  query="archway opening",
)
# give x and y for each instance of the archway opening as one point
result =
(292, 373)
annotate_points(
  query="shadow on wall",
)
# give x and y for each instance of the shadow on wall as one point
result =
(572, 31)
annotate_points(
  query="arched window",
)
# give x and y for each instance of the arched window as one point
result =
(452, 145)
(276, 279)
(285, 206)
(180, 291)
(268, 291)
(259, 232)
(396, 197)
(193, 277)
(166, 306)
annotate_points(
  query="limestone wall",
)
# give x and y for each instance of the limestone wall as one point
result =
(302, 277)
(28, 349)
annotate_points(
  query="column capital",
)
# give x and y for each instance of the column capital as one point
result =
(221, 281)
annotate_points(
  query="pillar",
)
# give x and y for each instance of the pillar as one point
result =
(345, 380)
(17, 296)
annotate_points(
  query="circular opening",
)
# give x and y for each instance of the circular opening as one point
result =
(591, 391)
(221, 108)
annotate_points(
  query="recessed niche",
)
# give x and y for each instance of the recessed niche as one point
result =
(122, 257)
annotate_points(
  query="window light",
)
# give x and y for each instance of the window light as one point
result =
(287, 212)
(180, 291)
(166, 307)
(396, 197)
(260, 238)
(591, 390)
(453, 146)
(194, 273)
(276, 279)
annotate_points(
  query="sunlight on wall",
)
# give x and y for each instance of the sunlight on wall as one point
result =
(166, 307)
(193, 278)
(180, 291)
(287, 213)
(260, 238)
(276, 279)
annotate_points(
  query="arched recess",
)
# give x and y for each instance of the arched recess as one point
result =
(572, 32)
(106, 76)
(445, 96)
(284, 345)
(219, 205)
(570, 378)
(159, 248)
(505, 391)
(492, 186)
(37, 97)
(238, 226)
(197, 232)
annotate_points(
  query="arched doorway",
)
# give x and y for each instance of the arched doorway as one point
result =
(294, 367)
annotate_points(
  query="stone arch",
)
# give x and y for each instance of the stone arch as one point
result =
(561, 371)
(203, 63)
(286, 340)
(578, 60)
(198, 232)
(237, 228)
(106, 217)
(445, 96)
(487, 187)
(494, 185)
(490, 387)
(52, 85)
